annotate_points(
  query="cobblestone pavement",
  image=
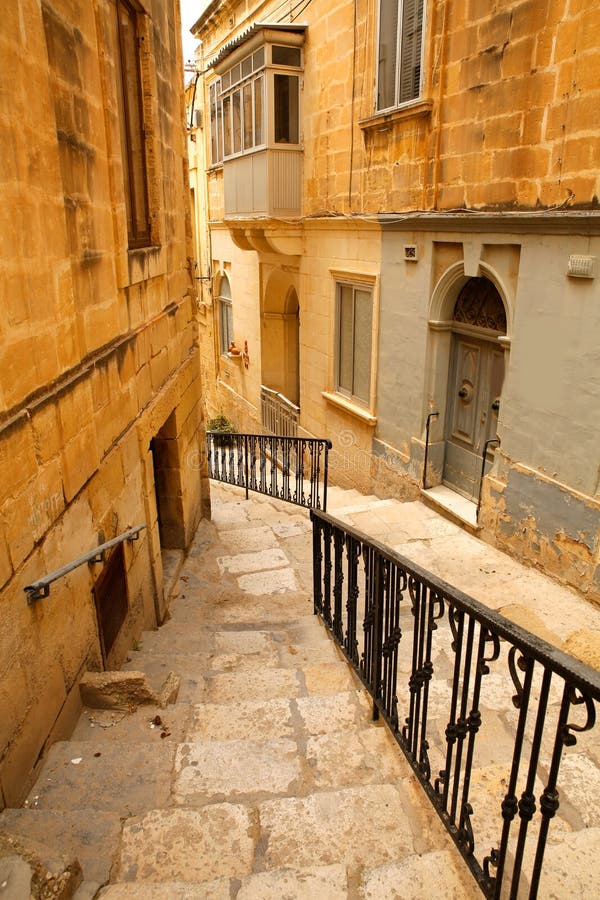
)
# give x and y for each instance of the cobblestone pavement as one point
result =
(267, 778)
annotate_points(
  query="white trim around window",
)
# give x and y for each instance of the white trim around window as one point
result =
(355, 336)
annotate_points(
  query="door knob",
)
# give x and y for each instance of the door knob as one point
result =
(496, 405)
(463, 393)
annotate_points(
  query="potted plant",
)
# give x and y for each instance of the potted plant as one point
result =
(221, 428)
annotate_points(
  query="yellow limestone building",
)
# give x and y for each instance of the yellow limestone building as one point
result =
(403, 251)
(99, 365)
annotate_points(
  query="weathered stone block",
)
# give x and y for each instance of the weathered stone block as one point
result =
(122, 690)
(79, 460)
(32, 870)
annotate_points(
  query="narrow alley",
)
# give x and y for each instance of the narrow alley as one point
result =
(267, 777)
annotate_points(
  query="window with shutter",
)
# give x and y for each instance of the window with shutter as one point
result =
(131, 120)
(354, 341)
(399, 52)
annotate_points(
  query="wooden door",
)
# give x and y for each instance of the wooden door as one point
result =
(474, 385)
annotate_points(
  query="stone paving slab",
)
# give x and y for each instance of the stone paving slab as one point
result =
(329, 678)
(218, 770)
(441, 874)
(263, 685)
(269, 582)
(213, 890)
(350, 758)
(317, 883)
(242, 720)
(243, 642)
(355, 827)
(252, 562)
(245, 540)
(194, 845)
(334, 712)
(120, 777)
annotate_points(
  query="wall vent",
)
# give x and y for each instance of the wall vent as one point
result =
(581, 266)
(411, 253)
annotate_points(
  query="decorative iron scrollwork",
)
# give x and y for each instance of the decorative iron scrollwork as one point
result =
(465, 834)
(522, 663)
(576, 698)
(495, 641)
(480, 304)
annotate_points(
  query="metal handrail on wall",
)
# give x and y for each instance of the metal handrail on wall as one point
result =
(435, 662)
(292, 469)
(41, 588)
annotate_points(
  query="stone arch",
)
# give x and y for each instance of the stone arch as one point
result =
(441, 340)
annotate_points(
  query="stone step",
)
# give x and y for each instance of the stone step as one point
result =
(119, 776)
(146, 724)
(281, 718)
(365, 826)
(88, 835)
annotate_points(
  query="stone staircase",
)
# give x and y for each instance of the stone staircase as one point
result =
(266, 778)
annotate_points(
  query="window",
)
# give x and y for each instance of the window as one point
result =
(240, 99)
(354, 318)
(216, 120)
(399, 52)
(286, 94)
(225, 315)
(131, 119)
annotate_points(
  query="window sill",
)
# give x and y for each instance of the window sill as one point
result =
(348, 406)
(384, 120)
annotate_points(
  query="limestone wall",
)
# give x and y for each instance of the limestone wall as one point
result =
(98, 356)
(504, 126)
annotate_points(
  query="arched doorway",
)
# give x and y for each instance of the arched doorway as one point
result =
(475, 378)
(280, 338)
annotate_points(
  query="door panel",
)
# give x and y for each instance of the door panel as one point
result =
(474, 385)
(464, 398)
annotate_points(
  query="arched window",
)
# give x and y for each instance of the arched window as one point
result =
(225, 315)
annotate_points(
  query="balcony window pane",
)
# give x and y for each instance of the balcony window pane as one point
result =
(286, 97)
(227, 126)
(286, 56)
(214, 148)
(258, 59)
(258, 111)
(248, 142)
(237, 121)
(246, 66)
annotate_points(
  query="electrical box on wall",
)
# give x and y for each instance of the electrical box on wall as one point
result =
(581, 266)
(411, 253)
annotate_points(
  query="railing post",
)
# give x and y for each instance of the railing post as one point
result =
(326, 474)
(317, 560)
(377, 632)
(246, 463)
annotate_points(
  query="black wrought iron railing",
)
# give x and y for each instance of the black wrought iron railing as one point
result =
(484, 711)
(288, 468)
